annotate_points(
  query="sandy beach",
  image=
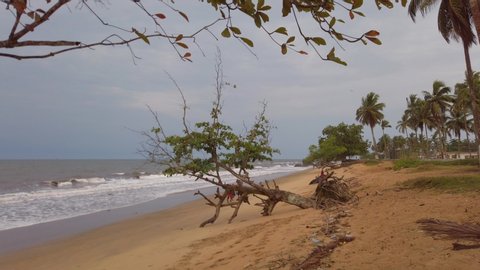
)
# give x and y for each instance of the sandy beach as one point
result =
(383, 223)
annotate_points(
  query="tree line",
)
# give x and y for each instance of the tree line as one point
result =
(432, 124)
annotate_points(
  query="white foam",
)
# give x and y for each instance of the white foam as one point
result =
(97, 194)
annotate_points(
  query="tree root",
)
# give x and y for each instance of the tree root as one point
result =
(331, 190)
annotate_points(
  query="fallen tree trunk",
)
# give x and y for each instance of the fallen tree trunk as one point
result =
(234, 195)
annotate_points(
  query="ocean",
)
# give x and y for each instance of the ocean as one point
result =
(40, 191)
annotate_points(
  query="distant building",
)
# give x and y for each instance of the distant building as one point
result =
(461, 155)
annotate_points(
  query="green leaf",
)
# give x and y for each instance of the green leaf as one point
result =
(260, 4)
(319, 41)
(281, 30)
(332, 22)
(338, 36)
(226, 33)
(257, 20)
(184, 16)
(291, 39)
(264, 16)
(332, 57)
(357, 3)
(265, 8)
(404, 3)
(247, 41)
(359, 13)
(322, 14)
(235, 30)
(374, 40)
(183, 45)
(286, 8)
(284, 48)
(142, 36)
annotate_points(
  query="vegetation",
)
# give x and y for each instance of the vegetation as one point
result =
(455, 22)
(446, 183)
(370, 113)
(371, 162)
(162, 15)
(211, 148)
(414, 162)
(405, 163)
(337, 143)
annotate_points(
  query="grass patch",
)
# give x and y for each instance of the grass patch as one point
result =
(446, 183)
(453, 162)
(414, 163)
(371, 162)
(405, 163)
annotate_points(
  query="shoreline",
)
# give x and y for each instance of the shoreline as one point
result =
(17, 239)
(382, 224)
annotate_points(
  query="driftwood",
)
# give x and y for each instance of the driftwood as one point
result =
(451, 230)
(331, 190)
(234, 195)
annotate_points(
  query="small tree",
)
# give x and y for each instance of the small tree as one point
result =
(337, 143)
(211, 148)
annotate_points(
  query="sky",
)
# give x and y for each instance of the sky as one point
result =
(92, 103)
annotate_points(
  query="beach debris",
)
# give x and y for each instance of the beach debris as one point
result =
(318, 257)
(452, 230)
(331, 190)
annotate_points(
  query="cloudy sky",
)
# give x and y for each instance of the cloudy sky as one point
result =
(87, 104)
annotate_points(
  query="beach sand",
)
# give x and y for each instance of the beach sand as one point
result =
(382, 222)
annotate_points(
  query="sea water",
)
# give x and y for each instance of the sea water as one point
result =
(39, 191)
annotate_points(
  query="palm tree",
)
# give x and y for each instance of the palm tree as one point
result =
(457, 123)
(370, 113)
(402, 125)
(462, 105)
(437, 102)
(455, 22)
(385, 124)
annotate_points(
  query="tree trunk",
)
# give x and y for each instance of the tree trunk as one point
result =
(458, 147)
(427, 144)
(374, 143)
(473, 98)
(465, 125)
(384, 144)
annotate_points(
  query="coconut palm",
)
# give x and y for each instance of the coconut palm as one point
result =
(438, 102)
(456, 123)
(370, 113)
(455, 22)
(413, 112)
(402, 125)
(385, 124)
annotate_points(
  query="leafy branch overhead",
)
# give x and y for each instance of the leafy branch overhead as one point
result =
(28, 16)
